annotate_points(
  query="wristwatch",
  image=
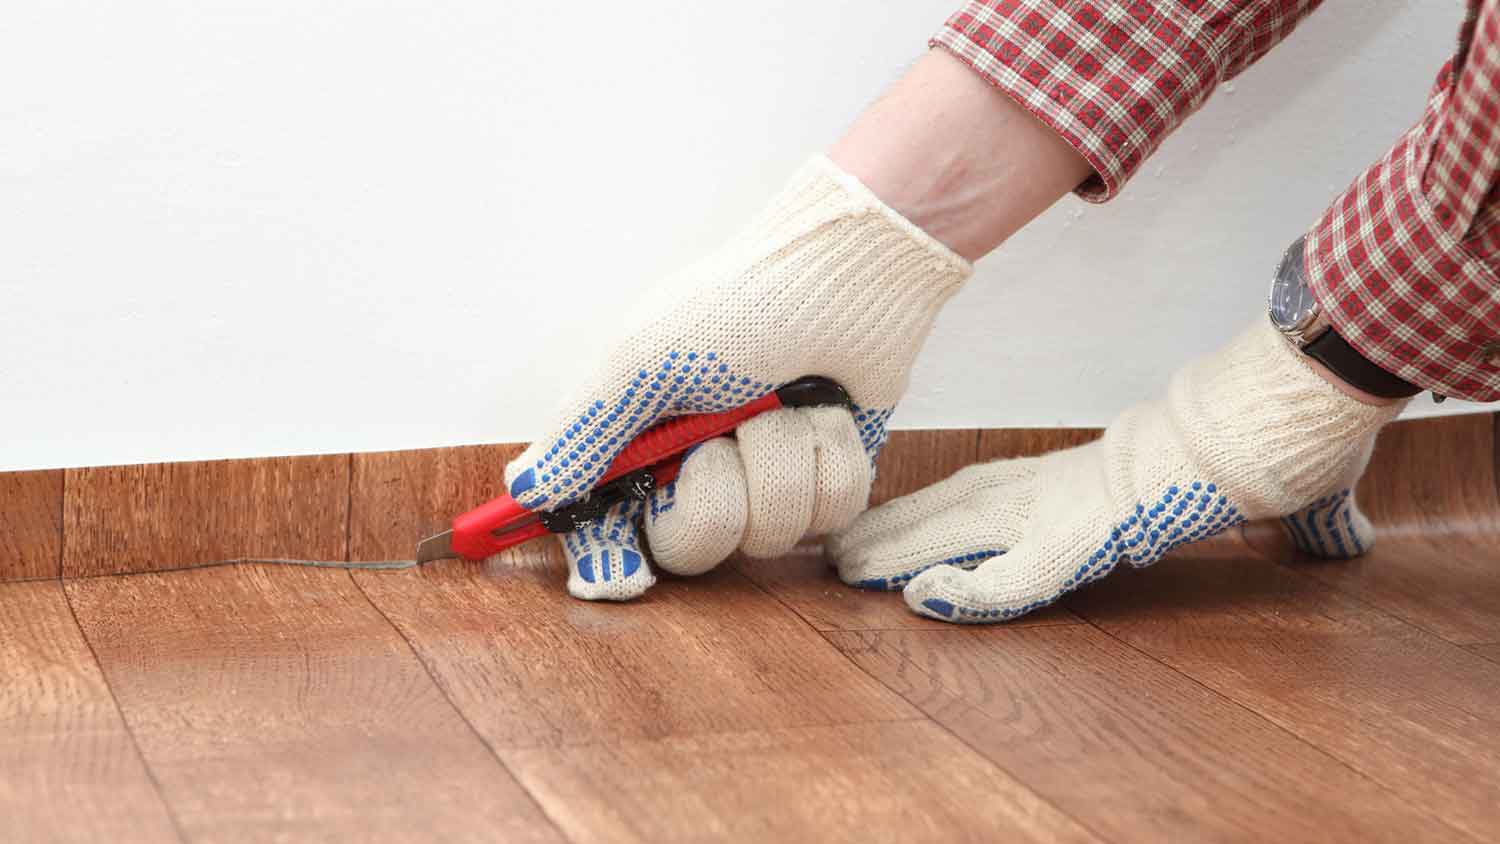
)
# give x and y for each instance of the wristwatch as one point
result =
(1297, 314)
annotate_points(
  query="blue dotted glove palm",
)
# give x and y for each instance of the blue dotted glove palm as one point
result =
(1249, 432)
(826, 281)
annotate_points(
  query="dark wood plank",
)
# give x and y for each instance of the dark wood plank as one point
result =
(407, 496)
(530, 666)
(863, 783)
(1430, 490)
(1125, 745)
(71, 772)
(30, 524)
(277, 703)
(1416, 714)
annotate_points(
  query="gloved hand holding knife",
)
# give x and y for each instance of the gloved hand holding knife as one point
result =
(840, 276)
(826, 281)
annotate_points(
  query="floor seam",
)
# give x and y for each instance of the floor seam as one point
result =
(1392, 793)
(332, 565)
(124, 721)
(1296, 569)
(474, 731)
(806, 622)
(38, 578)
(1475, 650)
(615, 741)
(819, 633)
(1361, 600)
(1017, 779)
(946, 629)
(925, 717)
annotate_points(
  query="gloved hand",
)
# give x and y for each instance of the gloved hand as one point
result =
(826, 281)
(1248, 432)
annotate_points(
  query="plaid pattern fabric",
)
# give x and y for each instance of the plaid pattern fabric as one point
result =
(1404, 261)
(1115, 78)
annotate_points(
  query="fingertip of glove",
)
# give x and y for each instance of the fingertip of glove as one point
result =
(630, 563)
(936, 607)
(610, 574)
(523, 483)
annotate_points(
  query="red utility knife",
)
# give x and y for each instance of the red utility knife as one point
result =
(650, 460)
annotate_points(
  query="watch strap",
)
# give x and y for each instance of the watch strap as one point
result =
(1345, 361)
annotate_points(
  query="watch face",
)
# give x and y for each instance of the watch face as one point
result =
(1292, 302)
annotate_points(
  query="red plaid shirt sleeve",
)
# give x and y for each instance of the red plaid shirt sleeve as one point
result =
(1405, 261)
(1115, 78)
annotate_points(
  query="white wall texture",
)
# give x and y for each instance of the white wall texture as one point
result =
(255, 227)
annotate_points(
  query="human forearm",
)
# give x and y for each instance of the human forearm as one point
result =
(957, 157)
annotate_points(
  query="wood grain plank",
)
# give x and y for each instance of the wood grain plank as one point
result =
(530, 666)
(1416, 714)
(1449, 584)
(910, 461)
(1436, 474)
(122, 519)
(1125, 745)
(403, 497)
(277, 703)
(30, 524)
(863, 783)
(71, 772)
(550, 678)
(1430, 490)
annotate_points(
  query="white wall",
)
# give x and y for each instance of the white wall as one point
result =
(270, 227)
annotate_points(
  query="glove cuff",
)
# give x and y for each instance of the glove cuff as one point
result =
(821, 167)
(1279, 435)
(821, 198)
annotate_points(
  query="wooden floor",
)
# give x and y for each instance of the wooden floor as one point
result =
(1232, 692)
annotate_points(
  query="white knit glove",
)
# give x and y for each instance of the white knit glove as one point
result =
(826, 281)
(1248, 432)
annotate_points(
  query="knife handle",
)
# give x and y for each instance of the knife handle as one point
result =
(493, 527)
(678, 434)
